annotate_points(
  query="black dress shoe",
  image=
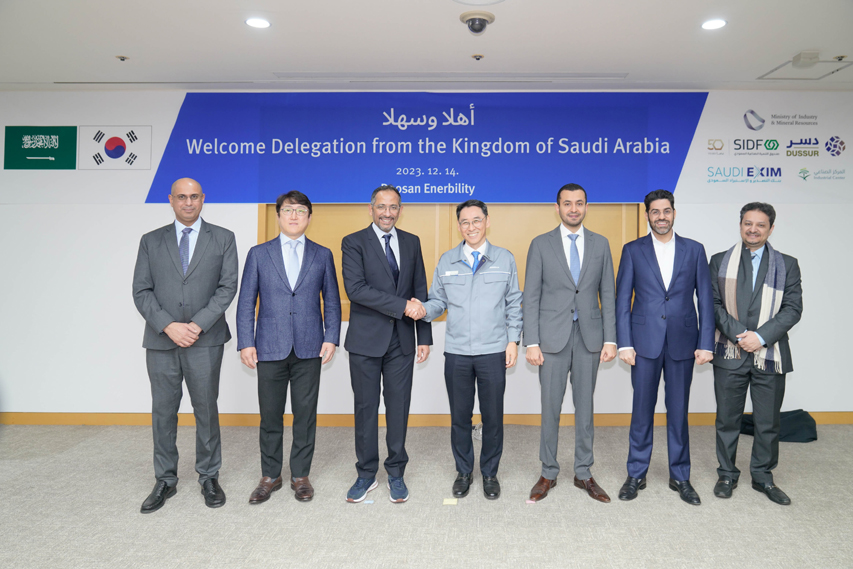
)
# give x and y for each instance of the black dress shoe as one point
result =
(773, 492)
(631, 487)
(686, 491)
(157, 497)
(462, 485)
(214, 496)
(724, 486)
(491, 487)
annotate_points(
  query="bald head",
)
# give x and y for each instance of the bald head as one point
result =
(186, 186)
(186, 199)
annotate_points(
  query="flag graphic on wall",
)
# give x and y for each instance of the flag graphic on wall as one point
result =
(114, 148)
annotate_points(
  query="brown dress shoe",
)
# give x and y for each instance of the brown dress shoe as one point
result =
(592, 488)
(541, 488)
(302, 489)
(265, 487)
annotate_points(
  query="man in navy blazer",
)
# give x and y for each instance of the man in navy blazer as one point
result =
(662, 272)
(287, 276)
(383, 270)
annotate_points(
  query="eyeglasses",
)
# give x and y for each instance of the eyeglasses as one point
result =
(184, 197)
(300, 211)
(476, 222)
(394, 208)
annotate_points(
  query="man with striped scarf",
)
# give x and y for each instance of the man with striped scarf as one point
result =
(757, 299)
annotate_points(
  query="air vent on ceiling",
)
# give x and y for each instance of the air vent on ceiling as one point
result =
(815, 72)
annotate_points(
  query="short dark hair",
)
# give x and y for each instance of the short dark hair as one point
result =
(385, 188)
(659, 195)
(764, 208)
(471, 203)
(571, 188)
(293, 197)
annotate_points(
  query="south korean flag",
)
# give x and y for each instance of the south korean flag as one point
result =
(114, 148)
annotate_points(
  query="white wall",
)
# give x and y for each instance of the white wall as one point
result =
(71, 336)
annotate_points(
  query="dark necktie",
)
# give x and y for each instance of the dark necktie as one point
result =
(392, 261)
(185, 249)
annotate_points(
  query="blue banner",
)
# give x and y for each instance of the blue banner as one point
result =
(435, 147)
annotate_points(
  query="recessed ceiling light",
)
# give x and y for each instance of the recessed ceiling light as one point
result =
(257, 23)
(713, 24)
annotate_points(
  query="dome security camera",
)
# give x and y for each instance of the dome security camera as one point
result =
(477, 21)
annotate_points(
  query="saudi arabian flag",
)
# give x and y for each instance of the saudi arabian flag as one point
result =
(40, 148)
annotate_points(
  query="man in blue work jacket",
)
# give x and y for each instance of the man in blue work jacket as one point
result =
(477, 283)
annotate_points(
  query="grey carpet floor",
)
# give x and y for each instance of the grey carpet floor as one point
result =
(70, 497)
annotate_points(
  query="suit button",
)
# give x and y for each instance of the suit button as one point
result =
(180, 304)
(577, 292)
(294, 294)
(185, 282)
(664, 316)
(573, 310)
(667, 298)
(391, 320)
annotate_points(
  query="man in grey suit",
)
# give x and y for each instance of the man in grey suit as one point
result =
(287, 276)
(185, 278)
(569, 272)
(757, 299)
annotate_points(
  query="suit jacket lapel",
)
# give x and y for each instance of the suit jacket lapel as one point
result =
(373, 244)
(307, 258)
(648, 249)
(200, 245)
(404, 267)
(277, 258)
(762, 273)
(588, 246)
(678, 261)
(556, 239)
(170, 242)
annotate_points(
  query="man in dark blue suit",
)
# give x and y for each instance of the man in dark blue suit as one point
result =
(662, 271)
(287, 276)
(383, 271)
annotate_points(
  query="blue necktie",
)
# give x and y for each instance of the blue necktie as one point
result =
(476, 255)
(755, 263)
(292, 267)
(185, 249)
(392, 261)
(575, 264)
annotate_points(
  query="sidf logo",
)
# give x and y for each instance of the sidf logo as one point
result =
(804, 173)
(835, 146)
(752, 120)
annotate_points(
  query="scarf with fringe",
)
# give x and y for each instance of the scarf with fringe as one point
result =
(772, 290)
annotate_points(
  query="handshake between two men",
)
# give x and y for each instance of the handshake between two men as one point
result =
(415, 309)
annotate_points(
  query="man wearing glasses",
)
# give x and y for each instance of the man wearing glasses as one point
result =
(383, 268)
(287, 276)
(477, 283)
(185, 278)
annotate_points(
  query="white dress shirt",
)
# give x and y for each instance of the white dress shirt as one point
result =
(285, 248)
(179, 229)
(665, 254)
(395, 242)
(567, 244)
